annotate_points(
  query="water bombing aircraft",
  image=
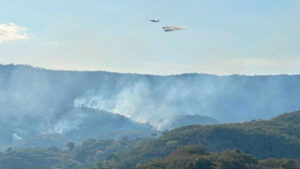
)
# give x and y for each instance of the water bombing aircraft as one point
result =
(153, 20)
(172, 28)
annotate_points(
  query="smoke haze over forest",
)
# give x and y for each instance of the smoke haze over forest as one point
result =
(39, 101)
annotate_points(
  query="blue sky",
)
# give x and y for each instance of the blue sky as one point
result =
(221, 36)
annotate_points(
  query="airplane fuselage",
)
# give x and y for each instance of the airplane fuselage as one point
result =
(154, 20)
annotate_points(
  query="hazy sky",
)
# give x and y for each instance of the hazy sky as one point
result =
(221, 36)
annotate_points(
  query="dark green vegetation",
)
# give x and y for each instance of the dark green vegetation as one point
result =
(197, 157)
(186, 120)
(269, 144)
(87, 154)
(276, 138)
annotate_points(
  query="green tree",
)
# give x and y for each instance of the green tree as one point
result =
(71, 146)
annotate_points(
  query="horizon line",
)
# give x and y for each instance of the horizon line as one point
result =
(146, 74)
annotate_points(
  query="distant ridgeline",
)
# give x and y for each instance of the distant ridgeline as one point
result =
(272, 144)
(38, 102)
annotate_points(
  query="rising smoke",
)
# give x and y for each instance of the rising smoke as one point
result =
(35, 101)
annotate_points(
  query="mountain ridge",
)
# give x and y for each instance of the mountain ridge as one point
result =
(47, 97)
(262, 139)
(142, 74)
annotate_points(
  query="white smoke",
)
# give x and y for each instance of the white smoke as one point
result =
(132, 102)
(68, 122)
(16, 137)
(37, 100)
(140, 104)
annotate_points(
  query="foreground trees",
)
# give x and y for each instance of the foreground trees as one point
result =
(196, 157)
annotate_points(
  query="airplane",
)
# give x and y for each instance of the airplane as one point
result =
(172, 28)
(153, 20)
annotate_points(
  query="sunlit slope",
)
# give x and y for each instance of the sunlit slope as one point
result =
(197, 157)
(276, 138)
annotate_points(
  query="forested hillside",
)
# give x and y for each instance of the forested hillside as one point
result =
(270, 144)
(38, 101)
(83, 155)
(197, 157)
(80, 123)
(276, 138)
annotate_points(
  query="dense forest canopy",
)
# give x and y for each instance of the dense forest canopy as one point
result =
(276, 138)
(264, 144)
